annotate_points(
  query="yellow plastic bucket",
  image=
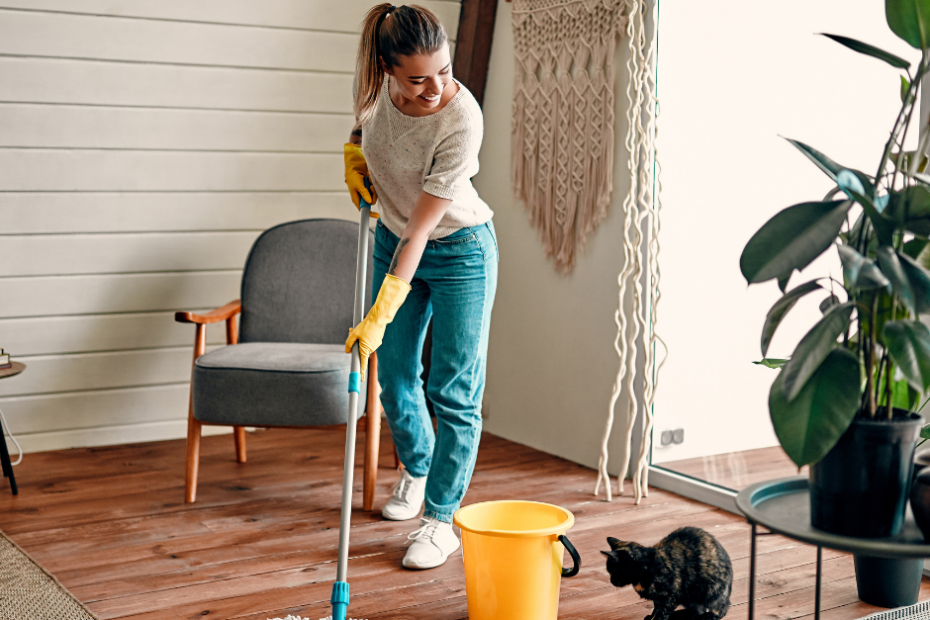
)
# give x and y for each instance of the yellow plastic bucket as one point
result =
(513, 559)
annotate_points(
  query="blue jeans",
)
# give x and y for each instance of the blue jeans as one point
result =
(454, 285)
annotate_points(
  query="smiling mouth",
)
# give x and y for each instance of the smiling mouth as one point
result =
(430, 99)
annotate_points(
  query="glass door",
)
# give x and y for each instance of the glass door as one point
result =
(732, 77)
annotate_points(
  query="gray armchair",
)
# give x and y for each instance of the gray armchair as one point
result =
(288, 367)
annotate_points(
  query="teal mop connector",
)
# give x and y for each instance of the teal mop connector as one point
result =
(340, 600)
(355, 382)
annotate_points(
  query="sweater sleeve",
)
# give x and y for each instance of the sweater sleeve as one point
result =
(455, 159)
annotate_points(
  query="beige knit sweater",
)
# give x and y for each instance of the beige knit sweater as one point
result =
(437, 154)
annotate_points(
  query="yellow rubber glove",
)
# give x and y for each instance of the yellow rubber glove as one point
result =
(356, 172)
(370, 331)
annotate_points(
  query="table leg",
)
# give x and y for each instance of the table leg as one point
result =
(817, 589)
(752, 574)
(7, 464)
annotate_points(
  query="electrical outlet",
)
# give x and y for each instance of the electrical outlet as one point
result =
(672, 436)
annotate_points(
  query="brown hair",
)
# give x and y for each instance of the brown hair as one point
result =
(388, 33)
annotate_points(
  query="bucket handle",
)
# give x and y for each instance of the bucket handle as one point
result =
(570, 572)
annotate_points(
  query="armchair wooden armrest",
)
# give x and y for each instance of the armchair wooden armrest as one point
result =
(214, 316)
(226, 313)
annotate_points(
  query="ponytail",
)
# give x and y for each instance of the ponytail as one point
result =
(388, 33)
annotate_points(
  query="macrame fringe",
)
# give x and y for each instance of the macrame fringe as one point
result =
(563, 117)
(641, 226)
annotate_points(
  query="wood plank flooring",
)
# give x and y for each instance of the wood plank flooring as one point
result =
(738, 470)
(110, 523)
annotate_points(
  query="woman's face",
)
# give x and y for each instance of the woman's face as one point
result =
(422, 78)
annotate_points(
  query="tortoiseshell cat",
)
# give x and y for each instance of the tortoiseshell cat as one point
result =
(689, 567)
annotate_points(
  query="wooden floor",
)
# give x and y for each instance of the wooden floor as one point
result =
(260, 542)
(738, 470)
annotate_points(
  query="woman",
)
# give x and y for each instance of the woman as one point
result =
(435, 256)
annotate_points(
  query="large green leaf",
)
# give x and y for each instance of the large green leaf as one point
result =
(781, 308)
(908, 344)
(883, 302)
(915, 248)
(910, 209)
(923, 255)
(830, 167)
(869, 50)
(814, 348)
(828, 303)
(890, 265)
(903, 396)
(851, 184)
(910, 20)
(792, 239)
(810, 425)
(909, 279)
(919, 279)
(783, 281)
(860, 273)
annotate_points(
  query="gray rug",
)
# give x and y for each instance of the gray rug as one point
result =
(27, 592)
(918, 611)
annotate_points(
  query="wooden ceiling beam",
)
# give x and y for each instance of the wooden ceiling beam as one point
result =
(473, 45)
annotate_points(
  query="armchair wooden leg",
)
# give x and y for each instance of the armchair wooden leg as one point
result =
(193, 426)
(239, 434)
(193, 459)
(372, 436)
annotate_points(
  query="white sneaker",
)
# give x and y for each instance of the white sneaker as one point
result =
(407, 499)
(432, 544)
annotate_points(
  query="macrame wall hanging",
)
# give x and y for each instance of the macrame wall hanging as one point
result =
(641, 226)
(563, 117)
(562, 165)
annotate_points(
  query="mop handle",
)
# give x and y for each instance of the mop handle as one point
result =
(361, 266)
(341, 587)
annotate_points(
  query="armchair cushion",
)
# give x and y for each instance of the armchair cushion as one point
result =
(273, 384)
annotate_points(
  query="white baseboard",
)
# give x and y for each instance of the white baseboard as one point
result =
(107, 436)
(693, 488)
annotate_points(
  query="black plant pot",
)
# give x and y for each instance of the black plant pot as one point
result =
(860, 488)
(885, 582)
(920, 500)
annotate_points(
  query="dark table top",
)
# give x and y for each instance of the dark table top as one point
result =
(17, 368)
(783, 506)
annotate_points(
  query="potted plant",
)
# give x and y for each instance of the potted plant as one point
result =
(846, 400)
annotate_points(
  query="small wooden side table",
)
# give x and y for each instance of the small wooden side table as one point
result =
(17, 368)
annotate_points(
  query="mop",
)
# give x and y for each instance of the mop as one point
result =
(340, 596)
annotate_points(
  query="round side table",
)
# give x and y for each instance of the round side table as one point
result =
(783, 507)
(17, 368)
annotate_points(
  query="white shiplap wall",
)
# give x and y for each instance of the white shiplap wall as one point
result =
(144, 145)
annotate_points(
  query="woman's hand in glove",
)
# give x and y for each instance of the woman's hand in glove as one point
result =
(370, 331)
(356, 172)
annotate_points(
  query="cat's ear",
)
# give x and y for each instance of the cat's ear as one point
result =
(611, 554)
(616, 544)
